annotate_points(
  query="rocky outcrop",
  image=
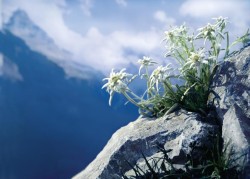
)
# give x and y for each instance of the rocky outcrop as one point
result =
(177, 131)
(232, 86)
(182, 130)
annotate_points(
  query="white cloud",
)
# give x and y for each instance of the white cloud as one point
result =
(1, 16)
(207, 8)
(51, 22)
(9, 70)
(1, 61)
(117, 48)
(121, 2)
(86, 6)
(101, 51)
(237, 11)
(104, 52)
(162, 17)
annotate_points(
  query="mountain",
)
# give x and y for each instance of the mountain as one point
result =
(51, 126)
(22, 26)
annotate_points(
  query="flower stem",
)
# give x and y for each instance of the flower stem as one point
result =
(130, 99)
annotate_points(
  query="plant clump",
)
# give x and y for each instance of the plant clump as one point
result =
(197, 55)
(215, 164)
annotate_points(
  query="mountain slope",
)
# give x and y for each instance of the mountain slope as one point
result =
(51, 126)
(23, 27)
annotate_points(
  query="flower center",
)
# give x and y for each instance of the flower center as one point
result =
(196, 58)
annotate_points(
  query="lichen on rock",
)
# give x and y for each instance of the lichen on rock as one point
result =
(177, 131)
(232, 84)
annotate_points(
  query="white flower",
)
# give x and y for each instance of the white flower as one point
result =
(182, 29)
(117, 82)
(145, 62)
(169, 35)
(175, 32)
(221, 22)
(176, 38)
(207, 32)
(159, 75)
(210, 31)
(194, 59)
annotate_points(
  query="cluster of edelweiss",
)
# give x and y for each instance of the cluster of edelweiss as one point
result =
(195, 68)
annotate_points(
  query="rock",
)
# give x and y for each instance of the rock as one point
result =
(232, 85)
(186, 132)
(177, 131)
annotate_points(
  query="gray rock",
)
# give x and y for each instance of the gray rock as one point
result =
(177, 131)
(181, 130)
(232, 84)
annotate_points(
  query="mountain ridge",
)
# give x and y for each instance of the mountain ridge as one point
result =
(51, 126)
(36, 38)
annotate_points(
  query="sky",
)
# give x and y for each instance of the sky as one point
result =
(106, 34)
(82, 36)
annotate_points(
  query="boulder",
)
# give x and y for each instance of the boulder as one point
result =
(182, 130)
(177, 131)
(232, 84)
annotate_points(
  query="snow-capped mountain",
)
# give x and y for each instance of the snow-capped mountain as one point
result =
(51, 126)
(8, 69)
(22, 26)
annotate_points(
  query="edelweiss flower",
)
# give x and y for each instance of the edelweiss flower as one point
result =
(117, 82)
(175, 32)
(182, 29)
(145, 62)
(221, 22)
(212, 31)
(169, 35)
(175, 39)
(159, 75)
(194, 59)
(207, 32)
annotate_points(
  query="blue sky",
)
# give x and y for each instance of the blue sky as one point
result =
(105, 34)
(83, 37)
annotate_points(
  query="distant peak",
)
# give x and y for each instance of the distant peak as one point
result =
(22, 26)
(21, 23)
(20, 17)
(20, 13)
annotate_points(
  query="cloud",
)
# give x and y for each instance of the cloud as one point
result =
(237, 11)
(9, 70)
(121, 2)
(102, 51)
(116, 49)
(51, 22)
(162, 17)
(1, 16)
(207, 8)
(86, 6)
